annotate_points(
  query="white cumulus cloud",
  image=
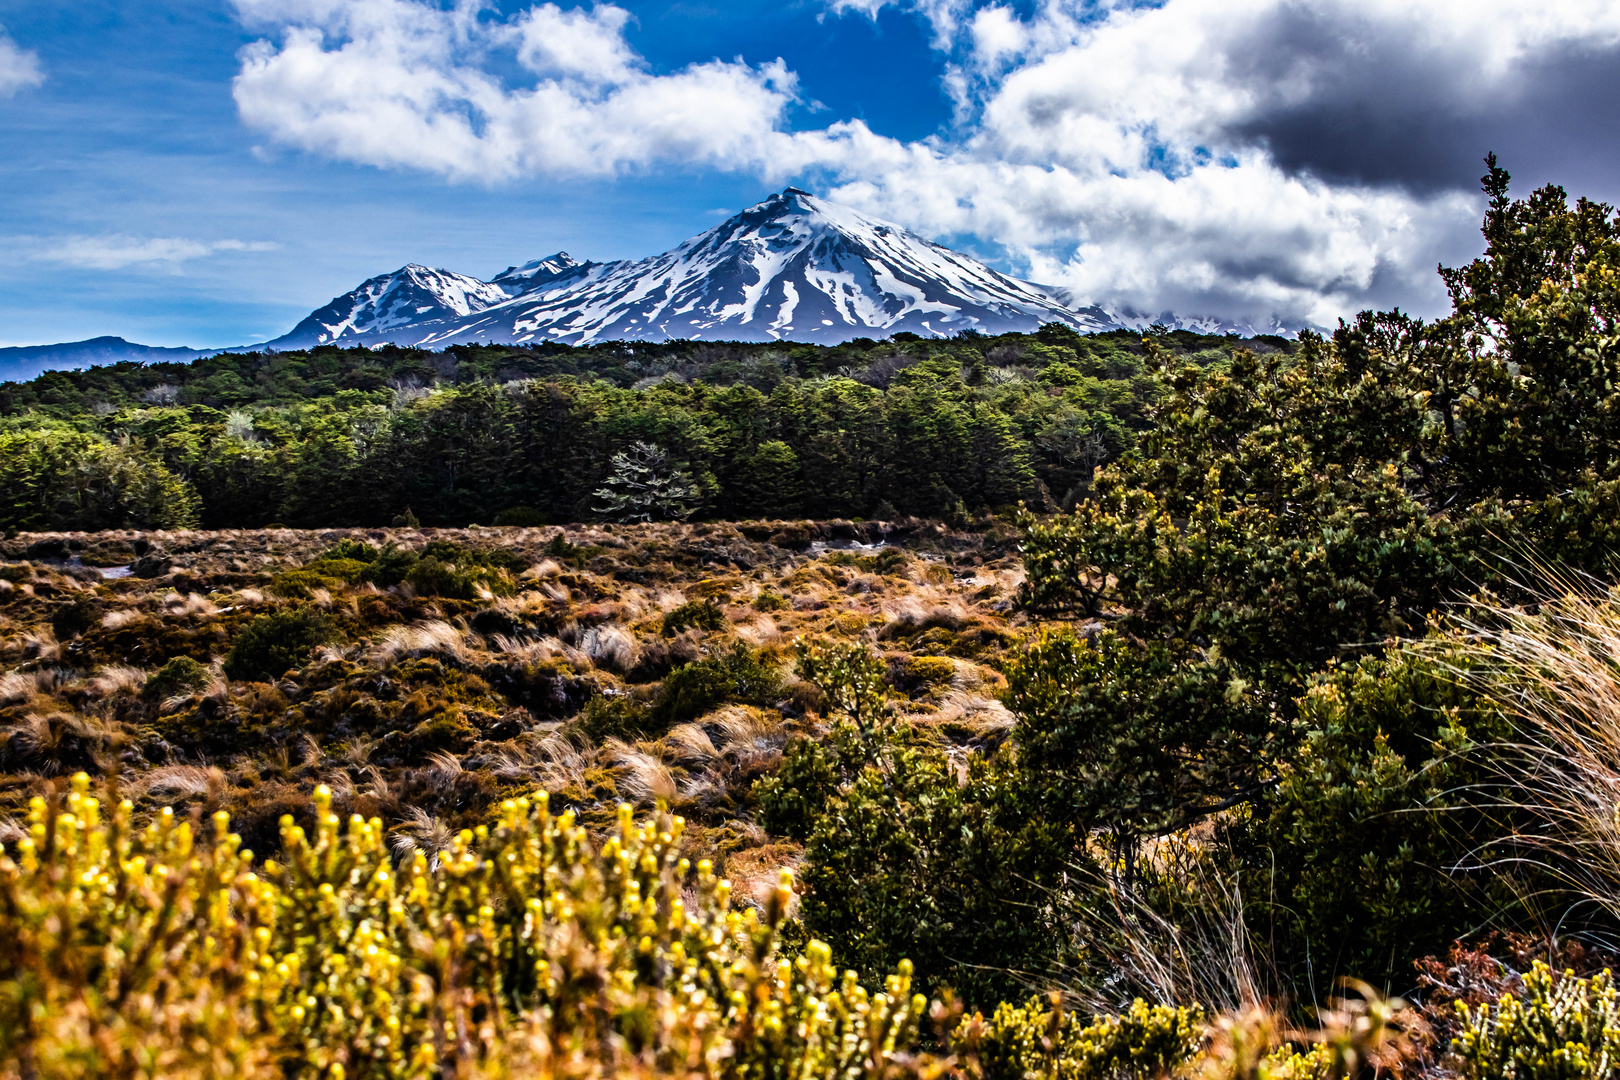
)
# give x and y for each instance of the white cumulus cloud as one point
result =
(116, 251)
(405, 83)
(945, 16)
(19, 67)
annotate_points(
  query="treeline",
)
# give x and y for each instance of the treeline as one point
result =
(527, 436)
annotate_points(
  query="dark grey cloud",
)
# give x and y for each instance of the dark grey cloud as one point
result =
(1386, 108)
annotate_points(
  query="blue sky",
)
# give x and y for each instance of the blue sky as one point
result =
(134, 133)
(205, 172)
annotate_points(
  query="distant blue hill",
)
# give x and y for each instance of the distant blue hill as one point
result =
(23, 362)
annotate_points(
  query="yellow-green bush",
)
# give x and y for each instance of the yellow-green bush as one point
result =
(341, 568)
(1040, 1039)
(1558, 1029)
(299, 584)
(523, 949)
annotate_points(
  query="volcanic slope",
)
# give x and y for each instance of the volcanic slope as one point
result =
(794, 267)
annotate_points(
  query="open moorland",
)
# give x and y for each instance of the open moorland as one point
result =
(453, 669)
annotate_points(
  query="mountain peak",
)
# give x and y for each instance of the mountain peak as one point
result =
(411, 295)
(539, 273)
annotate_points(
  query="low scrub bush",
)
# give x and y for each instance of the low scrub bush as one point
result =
(389, 566)
(272, 643)
(917, 673)
(736, 674)
(357, 550)
(299, 584)
(180, 675)
(444, 568)
(345, 570)
(699, 614)
(617, 716)
(75, 617)
(1040, 1039)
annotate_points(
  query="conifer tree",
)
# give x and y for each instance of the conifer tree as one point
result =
(646, 485)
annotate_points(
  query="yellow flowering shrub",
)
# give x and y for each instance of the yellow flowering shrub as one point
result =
(1040, 1039)
(525, 949)
(1559, 1028)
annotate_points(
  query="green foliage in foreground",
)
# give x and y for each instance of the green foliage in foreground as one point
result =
(522, 949)
(1379, 840)
(1369, 847)
(901, 856)
(1252, 559)
(1145, 1041)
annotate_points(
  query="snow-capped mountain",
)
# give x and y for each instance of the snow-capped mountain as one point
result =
(393, 303)
(794, 267)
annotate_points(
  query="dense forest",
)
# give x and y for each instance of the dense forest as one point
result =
(1274, 737)
(337, 437)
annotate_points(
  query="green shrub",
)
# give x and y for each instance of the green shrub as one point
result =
(1358, 854)
(75, 617)
(346, 570)
(890, 560)
(613, 716)
(390, 565)
(180, 674)
(275, 642)
(560, 549)
(923, 672)
(1139, 737)
(901, 857)
(734, 674)
(445, 551)
(770, 601)
(799, 792)
(430, 577)
(298, 584)
(703, 614)
(521, 516)
(1557, 1029)
(347, 548)
(445, 568)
